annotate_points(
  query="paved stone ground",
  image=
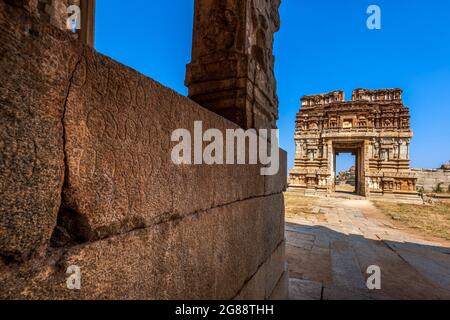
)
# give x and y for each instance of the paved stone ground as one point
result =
(329, 253)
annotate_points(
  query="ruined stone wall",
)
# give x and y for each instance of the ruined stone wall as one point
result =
(49, 11)
(428, 179)
(86, 179)
(55, 12)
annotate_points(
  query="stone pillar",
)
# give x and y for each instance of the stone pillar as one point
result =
(232, 67)
(87, 22)
(55, 13)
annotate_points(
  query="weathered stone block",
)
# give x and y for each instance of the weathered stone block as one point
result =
(118, 145)
(35, 68)
(263, 283)
(209, 255)
(278, 183)
(281, 290)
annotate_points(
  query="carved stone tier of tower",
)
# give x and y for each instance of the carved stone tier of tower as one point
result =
(232, 68)
(374, 126)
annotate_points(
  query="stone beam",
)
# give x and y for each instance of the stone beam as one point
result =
(87, 21)
(232, 67)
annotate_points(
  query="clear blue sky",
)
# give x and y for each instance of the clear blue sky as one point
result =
(323, 45)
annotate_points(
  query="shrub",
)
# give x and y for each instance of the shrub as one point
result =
(438, 188)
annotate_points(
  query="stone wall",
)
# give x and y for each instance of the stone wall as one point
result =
(86, 179)
(428, 179)
(48, 11)
(54, 12)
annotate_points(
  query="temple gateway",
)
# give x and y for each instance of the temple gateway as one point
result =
(374, 126)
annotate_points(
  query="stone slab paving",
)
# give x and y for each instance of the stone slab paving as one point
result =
(328, 257)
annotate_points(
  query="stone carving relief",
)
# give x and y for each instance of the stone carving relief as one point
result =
(232, 48)
(219, 33)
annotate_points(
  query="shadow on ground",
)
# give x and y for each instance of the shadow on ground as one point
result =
(325, 264)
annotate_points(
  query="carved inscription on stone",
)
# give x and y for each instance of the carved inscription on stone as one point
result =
(120, 174)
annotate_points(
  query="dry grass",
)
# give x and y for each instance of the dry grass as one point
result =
(298, 205)
(431, 219)
(345, 188)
